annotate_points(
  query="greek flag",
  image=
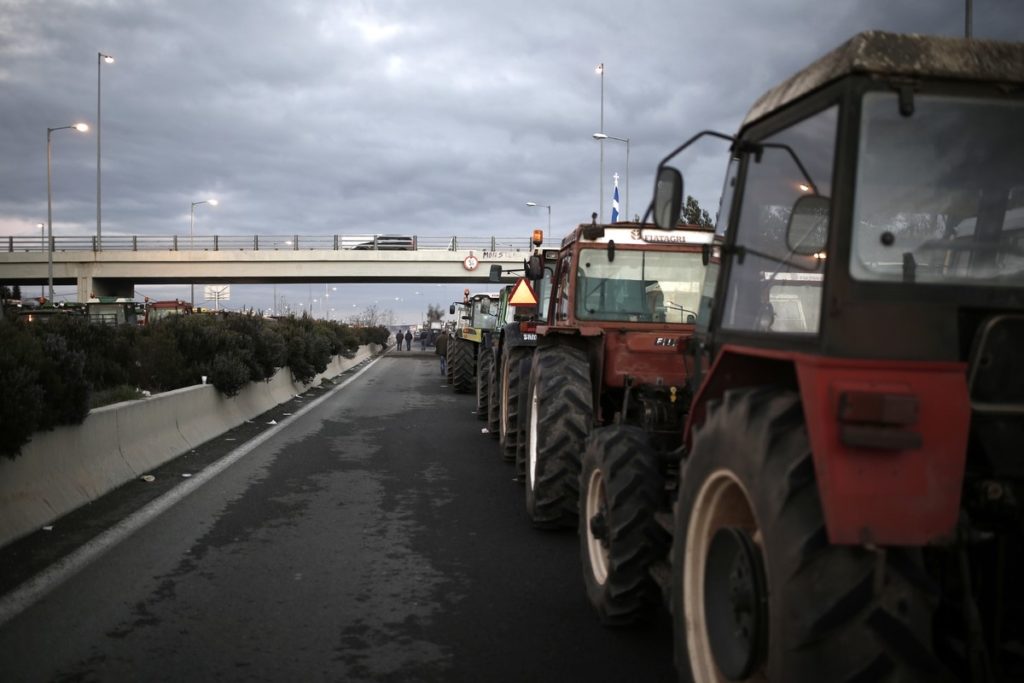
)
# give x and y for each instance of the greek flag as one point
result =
(615, 204)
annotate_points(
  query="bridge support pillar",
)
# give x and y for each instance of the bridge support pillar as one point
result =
(89, 286)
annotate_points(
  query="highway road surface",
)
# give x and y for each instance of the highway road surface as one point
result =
(373, 534)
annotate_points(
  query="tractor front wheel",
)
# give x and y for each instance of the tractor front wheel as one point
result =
(483, 372)
(621, 487)
(462, 364)
(514, 378)
(561, 415)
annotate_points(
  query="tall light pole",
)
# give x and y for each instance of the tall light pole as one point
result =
(81, 128)
(191, 226)
(100, 59)
(600, 185)
(546, 206)
(602, 137)
(42, 245)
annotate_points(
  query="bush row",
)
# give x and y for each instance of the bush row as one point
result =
(49, 372)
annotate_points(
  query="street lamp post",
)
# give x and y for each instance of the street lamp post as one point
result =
(191, 226)
(81, 128)
(546, 206)
(100, 59)
(600, 185)
(602, 137)
(42, 245)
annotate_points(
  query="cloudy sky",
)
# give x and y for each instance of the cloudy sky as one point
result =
(392, 116)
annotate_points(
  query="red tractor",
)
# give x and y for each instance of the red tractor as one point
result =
(622, 305)
(848, 503)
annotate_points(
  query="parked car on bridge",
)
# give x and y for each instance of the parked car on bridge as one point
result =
(390, 242)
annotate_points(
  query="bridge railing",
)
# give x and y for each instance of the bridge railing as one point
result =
(26, 243)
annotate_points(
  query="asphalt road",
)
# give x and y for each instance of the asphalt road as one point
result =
(378, 537)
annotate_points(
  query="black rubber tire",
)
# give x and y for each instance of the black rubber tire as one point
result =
(515, 377)
(463, 365)
(621, 487)
(493, 398)
(561, 415)
(834, 613)
(449, 374)
(485, 361)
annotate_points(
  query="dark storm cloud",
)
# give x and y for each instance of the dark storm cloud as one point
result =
(437, 118)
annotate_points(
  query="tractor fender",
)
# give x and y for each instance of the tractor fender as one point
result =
(888, 438)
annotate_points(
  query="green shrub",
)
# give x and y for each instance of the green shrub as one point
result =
(62, 378)
(52, 373)
(229, 373)
(22, 400)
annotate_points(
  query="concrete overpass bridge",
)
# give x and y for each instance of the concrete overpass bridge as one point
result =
(116, 266)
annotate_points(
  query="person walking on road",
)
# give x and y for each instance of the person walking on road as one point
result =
(441, 349)
(398, 338)
(408, 340)
(423, 340)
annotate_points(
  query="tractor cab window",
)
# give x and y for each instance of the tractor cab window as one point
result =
(543, 291)
(485, 313)
(940, 193)
(707, 294)
(774, 282)
(562, 304)
(638, 286)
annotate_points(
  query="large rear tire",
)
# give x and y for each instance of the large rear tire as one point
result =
(515, 376)
(485, 361)
(621, 487)
(561, 415)
(758, 593)
(493, 401)
(449, 372)
(463, 365)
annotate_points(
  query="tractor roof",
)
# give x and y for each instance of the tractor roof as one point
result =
(906, 55)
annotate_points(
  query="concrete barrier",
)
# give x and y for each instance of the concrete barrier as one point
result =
(63, 469)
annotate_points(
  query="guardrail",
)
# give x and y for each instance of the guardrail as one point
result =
(26, 243)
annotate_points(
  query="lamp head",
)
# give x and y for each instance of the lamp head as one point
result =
(600, 136)
(81, 127)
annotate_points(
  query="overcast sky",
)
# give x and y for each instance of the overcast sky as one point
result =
(392, 116)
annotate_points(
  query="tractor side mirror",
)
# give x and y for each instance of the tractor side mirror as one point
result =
(807, 230)
(451, 309)
(495, 274)
(534, 268)
(668, 197)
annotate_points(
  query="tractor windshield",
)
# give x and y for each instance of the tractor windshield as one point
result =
(940, 193)
(638, 286)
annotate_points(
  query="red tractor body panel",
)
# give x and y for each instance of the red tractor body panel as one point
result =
(888, 438)
(647, 357)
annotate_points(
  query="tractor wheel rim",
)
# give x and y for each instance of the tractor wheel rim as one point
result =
(722, 505)
(596, 508)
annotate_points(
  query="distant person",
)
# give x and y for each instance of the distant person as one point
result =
(398, 338)
(423, 340)
(408, 340)
(441, 349)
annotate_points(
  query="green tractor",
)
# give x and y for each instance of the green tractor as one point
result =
(478, 318)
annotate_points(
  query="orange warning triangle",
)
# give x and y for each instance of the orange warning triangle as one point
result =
(522, 294)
